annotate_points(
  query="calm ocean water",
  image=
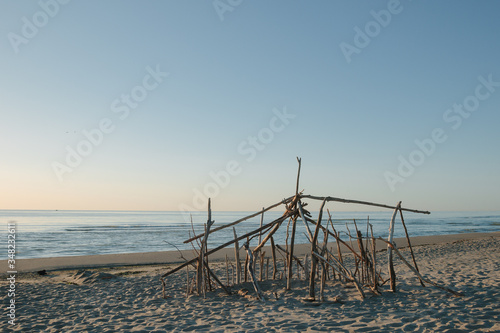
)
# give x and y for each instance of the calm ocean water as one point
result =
(41, 233)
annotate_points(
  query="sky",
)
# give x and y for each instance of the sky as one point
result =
(159, 105)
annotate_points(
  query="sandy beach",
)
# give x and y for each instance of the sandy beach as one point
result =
(122, 293)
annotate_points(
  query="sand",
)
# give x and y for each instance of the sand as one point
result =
(100, 294)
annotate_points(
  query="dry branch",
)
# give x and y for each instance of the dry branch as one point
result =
(284, 201)
(392, 274)
(252, 273)
(360, 203)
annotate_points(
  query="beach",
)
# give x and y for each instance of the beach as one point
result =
(122, 292)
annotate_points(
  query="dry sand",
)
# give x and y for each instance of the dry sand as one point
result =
(109, 297)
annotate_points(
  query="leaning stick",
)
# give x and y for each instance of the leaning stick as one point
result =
(212, 274)
(273, 251)
(237, 257)
(313, 250)
(284, 201)
(374, 248)
(288, 214)
(301, 212)
(409, 245)
(286, 252)
(298, 176)
(337, 238)
(420, 277)
(292, 243)
(389, 249)
(199, 280)
(269, 235)
(251, 272)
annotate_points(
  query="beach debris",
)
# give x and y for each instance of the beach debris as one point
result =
(341, 262)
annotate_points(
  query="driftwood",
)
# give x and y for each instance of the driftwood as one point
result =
(374, 258)
(392, 274)
(291, 257)
(314, 260)
(366, 203)
(237, 257)
(409, 244)
(284, 201)
(200, 285)
(275, 266)
(363, 275)
(252, 273)
(286, 252)
(304, 220)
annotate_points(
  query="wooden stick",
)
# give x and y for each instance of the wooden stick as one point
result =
(420, 277)
(237, 257)
(337, 238)
(267, 268)
(374, 254)
(303, 218)
(227, 271)
(286, 253)
(163, 288)
(251, 272)
(199, 281)
(298, 177)
(261, 271)
(292, 243)
(298, 270)
(217, 279)
(247, 259)
(323, 281)
(313, 250)
(392, 274)
(269, 235)
(273, 252)
(409, 244)
(363, 255)
(361, 203)
(284, 201)
(187, 281)
(306, 266)
(261, 223)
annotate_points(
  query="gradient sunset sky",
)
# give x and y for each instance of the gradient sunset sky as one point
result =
(156, 105)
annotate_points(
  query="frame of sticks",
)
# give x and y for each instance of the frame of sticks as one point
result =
(363, 272)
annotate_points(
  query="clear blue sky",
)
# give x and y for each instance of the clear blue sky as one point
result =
(175, 92)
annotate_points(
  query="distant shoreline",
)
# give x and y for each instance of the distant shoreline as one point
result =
(173, 257)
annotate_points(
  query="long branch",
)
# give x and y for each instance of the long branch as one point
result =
(284, 217)
(361, 203)
(284, 201)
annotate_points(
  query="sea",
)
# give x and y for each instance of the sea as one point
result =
(58, 233)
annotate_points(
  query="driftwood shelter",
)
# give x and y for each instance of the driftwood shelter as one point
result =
(320, 264)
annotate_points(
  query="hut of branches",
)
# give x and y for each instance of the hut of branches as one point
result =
(325, 258)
